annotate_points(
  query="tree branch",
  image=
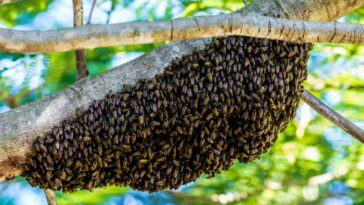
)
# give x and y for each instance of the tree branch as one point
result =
(109, 12)
(81, 65)
(333, 116)
(91, 36)
(20, 126)
(51, 197)
(309, 10)
(91, 12)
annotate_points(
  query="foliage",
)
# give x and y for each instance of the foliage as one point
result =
(22, 12)
(313, 162)
(87, 197)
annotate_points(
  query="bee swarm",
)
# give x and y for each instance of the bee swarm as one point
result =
(206, 110)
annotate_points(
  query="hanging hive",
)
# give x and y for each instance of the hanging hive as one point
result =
(208, 109)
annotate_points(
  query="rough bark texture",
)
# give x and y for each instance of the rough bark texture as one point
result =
(309, 10)
(20, 126)
(91, 36)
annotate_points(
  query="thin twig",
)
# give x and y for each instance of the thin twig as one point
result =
(108, 17)
(112, 8)
(91, 12)
(81, 64)
(51, 197)
(91, 36)
(333, 116)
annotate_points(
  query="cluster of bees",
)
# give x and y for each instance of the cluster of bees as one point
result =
(208, 109)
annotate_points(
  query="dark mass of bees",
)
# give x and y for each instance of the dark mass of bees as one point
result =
(206, 110)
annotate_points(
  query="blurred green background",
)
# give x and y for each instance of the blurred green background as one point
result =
(313, 162)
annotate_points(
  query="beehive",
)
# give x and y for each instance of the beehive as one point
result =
(206, 110)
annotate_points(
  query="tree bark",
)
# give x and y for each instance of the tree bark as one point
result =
(333, 116)
(81, 64)
(51, 197)
(19, 127)
(91, 36)
(91, 12)
(309, 10)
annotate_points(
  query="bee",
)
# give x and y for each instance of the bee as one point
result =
(78, 164)
(143, 161)
(141, 120)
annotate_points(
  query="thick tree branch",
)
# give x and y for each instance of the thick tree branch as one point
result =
(19, 127)
(309, 10)
(91, 36)
(333, 116)
(81, 65)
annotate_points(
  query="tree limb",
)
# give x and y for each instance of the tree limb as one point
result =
(91, 36)
(91, 12)
(20, 126)
(309, 10)
(81, 64)
(51, 197)
(333, 116)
